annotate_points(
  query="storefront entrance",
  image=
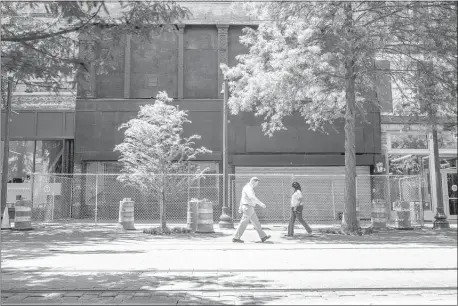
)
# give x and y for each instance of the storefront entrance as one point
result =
(450, 190)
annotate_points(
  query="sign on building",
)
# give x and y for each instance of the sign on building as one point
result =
(15, 189)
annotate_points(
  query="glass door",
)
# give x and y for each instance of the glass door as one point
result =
(451, 194)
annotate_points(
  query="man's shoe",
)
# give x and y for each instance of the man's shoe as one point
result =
(265, 238)
(237, 240)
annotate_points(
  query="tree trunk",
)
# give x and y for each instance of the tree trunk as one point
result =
(162, 205)
(349, 221)
(441, 218)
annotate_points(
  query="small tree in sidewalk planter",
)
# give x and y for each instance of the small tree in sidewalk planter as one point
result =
(154, 154)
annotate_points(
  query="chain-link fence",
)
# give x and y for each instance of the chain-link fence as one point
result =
(95, 197)
(324, 196)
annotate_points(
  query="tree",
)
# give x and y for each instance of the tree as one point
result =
(319, 59)
(432, 58)
(40, 39)
(154, 153)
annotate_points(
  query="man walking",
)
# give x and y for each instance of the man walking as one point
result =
(247, 204)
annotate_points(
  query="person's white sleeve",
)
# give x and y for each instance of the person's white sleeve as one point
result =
(251, 195)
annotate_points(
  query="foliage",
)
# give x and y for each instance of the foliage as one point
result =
(296, 62)
(339, 231)
(154, 155)
(40, 39)
(167, 231)
(405, 164)
(432, 60)
(319, 59)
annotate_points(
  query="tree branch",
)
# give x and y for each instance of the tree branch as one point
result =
(34, 36)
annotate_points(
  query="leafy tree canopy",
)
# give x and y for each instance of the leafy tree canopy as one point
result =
(298, 60)
(40, 39)
(155, 156)
(154, 144)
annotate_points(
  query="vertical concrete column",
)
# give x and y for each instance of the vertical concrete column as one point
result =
(86, 80)
(127, 57)
(180, 60)
(222, 54)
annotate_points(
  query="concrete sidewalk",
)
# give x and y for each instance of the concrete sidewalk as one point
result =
(80, 264)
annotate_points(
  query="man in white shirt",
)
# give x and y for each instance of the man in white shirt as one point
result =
(247, 204)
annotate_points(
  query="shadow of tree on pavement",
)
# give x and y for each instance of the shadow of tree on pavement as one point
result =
(178, 288)
(419, 237)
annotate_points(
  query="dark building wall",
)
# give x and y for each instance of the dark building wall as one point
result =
(98, 121)
(200, 62)
(200, 49)
(109, 80)
(154, 66)
(249, 137)
(40, 124)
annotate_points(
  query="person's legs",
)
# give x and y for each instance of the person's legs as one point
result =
(247, 212)
(292, 220)
(257, 225)
(301, 220)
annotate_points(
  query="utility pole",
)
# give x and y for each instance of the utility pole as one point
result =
(6, 145)
(225, 219)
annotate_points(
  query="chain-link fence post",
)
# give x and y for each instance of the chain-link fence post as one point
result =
(233, 196)
(283, 198)
(420, 197)
(189, 186)
(53, 196)
(333, 198)
(400, 189)
(357, 200)
(70, 195)
(387, 195)
(96, 196)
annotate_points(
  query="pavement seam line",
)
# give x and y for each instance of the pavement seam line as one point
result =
(244, 290)
(6, 271)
